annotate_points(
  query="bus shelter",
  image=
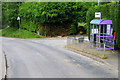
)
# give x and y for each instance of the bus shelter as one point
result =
(101, 34)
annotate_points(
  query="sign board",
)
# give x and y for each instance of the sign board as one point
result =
(111, 31)
(38, 33)
(18, 18)
(95, 31)
(108, 29)
(98, 14)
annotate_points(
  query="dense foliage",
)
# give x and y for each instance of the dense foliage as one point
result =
(10, 13)
(108, 11)
(52, 15)
(54, 12)
(51, 18)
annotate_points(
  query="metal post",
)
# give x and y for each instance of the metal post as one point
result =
(99, 35)
(19, 22)
(90, 32)
(98, 2)
(103, 33)
(19, 25)
(96, 35)
(91, 35)
(110, 37)
(93, 32)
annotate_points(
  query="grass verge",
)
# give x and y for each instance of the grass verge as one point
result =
(14, 32)
(93, 54)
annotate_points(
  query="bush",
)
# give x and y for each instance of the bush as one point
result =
(73, 29)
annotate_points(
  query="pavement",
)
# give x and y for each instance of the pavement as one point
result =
(47, 58)
(93, 52)
(1, 59)
(2, 62)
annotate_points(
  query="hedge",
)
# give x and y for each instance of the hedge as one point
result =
(48, 16)
(108, 11)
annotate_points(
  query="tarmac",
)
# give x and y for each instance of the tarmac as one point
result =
(82, 48)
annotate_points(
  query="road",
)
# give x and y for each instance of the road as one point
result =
(47, 58)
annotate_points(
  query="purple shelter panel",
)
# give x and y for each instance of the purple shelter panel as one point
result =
(102, 22)
(106, 21)
(102, 37)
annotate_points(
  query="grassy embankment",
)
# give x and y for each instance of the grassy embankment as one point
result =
(13, 32)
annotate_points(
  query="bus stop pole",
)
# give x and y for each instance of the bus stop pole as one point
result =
(19, 25)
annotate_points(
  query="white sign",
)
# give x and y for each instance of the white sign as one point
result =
(18, 18)
(38, 33)
(111, 31)
(95, 31)
(108, 29)
(98, 14)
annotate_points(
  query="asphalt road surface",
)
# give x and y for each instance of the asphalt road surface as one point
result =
(47, 58)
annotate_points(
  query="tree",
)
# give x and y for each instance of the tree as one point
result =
(52, 14)
(10, 13)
